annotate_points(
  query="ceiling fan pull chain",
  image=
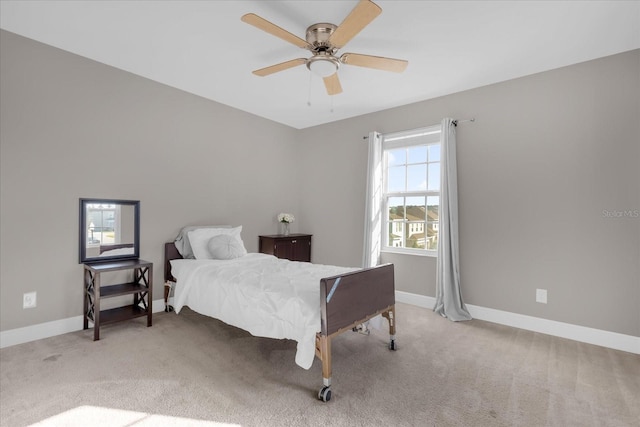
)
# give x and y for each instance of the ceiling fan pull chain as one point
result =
(309, 95)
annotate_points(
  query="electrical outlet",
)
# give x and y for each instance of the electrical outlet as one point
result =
(29, 300)
(541, 296)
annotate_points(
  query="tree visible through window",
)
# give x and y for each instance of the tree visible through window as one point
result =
(411, 170)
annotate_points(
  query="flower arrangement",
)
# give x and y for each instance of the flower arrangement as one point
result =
(287, 218)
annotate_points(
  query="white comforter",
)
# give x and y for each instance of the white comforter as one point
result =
(264, 295)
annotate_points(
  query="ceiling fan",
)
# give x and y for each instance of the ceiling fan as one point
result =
(324, 40)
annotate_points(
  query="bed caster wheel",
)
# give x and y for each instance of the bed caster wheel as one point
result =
(392, 345)
(324, 394)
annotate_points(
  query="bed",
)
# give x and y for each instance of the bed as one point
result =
(252, 291)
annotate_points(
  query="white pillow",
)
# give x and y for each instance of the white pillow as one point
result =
(226, 246)
(199, 239)
(182, 239)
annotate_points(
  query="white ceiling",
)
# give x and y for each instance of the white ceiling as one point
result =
(202, 47)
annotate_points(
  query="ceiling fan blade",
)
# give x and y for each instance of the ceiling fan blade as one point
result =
(361, 15)
(377, 62)
(273, 29)
(332, 83)
(279, 67)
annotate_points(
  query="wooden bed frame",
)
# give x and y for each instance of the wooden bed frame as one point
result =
(346, 301)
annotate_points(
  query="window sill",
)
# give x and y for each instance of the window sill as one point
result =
(401, 251)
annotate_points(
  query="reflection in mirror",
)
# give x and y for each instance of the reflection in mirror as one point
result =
(109, 230)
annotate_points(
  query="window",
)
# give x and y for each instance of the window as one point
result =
(411, 190)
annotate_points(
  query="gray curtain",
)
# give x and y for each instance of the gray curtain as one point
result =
(448, 298)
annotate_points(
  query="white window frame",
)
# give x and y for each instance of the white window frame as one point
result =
(430, 135)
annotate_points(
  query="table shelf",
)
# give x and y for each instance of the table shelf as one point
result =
(141, 287)
(121, 313)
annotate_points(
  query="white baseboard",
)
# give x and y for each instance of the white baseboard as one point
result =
(415, 299)
(584, 334)
(608, 339)
(51, 329)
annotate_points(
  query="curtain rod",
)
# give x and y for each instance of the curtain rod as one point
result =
(472, 119)
(455, 123)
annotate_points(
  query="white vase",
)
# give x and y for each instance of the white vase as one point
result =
(284, 228)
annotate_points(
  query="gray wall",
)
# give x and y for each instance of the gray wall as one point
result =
(72, 128)
(547, 154)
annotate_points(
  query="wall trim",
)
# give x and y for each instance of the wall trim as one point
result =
(584, 334)
(51, 329)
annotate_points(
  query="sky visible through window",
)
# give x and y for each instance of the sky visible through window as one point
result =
(414, 168)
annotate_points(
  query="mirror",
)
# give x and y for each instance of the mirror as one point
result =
(109, 230)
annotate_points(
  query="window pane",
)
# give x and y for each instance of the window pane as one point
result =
(396, 179)
(397, 157)
(396, 208)
(415, 230)
(415, 209)
(434, 177)
(434, 153)
(432, 235)
(433, 204)
(396, 231)
(417, 177)
(415, 237)
(417, 154)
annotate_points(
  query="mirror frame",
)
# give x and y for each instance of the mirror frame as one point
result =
(83, 230)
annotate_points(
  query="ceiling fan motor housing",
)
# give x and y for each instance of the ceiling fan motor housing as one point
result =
(318, 37)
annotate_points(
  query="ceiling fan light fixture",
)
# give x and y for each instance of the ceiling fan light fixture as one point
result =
(323, 66)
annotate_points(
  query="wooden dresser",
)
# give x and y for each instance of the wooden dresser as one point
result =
(294, 247)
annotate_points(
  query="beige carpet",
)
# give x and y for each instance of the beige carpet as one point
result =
(190, 370)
